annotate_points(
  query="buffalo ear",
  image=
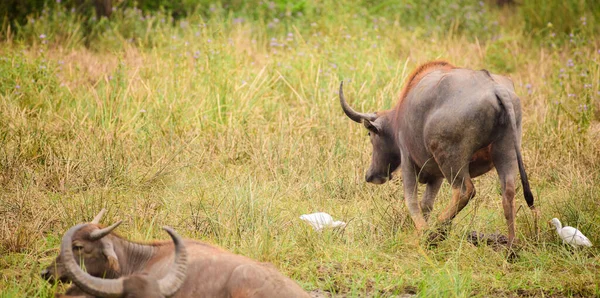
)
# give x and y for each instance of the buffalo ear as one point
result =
(372, 126)
(108, 250)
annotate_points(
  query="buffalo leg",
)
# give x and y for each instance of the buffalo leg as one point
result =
(505, 160)
(457, 174)
(431, 191)
(409, 180)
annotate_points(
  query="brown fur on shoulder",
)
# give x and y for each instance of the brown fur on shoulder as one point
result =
(420, 72)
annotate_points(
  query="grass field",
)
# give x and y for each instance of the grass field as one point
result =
(227, 127)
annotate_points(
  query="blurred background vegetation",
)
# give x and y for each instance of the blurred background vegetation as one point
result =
(464, 16)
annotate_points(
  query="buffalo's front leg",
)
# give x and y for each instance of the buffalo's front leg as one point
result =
(409, 179)
(431, 191)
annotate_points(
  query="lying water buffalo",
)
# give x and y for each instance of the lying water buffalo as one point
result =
(451, 123)
(137, 285)
(211, 271)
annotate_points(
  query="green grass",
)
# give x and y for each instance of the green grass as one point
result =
(229, 131)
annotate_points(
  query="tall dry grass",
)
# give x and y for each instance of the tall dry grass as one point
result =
(228, 129)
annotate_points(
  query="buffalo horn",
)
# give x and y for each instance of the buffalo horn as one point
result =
(99, 216)
(97, 234)
(174, 279)
(352, 114)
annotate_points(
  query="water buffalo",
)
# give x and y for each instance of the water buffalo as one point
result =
(211, 271)
(130, 286)
(451, 123)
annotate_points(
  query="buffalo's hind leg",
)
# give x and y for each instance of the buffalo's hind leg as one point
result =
(505, 161)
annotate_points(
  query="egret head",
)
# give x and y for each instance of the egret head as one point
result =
(556, 223)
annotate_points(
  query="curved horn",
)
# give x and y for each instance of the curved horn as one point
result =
(89, 284)
(174, 279)
(97, 234)
(98, 217)
(352, 114)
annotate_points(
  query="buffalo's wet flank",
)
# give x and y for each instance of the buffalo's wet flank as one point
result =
(223, 121)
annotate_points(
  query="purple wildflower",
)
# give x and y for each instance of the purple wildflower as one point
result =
(570, 63)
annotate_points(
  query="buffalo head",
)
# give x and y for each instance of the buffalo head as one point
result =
(386, 154)
(132, 286)
(92, 249)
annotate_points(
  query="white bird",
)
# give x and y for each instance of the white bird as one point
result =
(570, 235)
(321, 220)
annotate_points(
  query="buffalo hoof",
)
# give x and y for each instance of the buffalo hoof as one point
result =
(436, 235)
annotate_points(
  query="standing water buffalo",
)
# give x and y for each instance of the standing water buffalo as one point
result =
(451, 123)
(124, 267)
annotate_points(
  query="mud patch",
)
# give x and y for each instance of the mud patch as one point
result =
(495, 240)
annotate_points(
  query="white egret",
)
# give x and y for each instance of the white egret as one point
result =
(570, 235)
(321, 220)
